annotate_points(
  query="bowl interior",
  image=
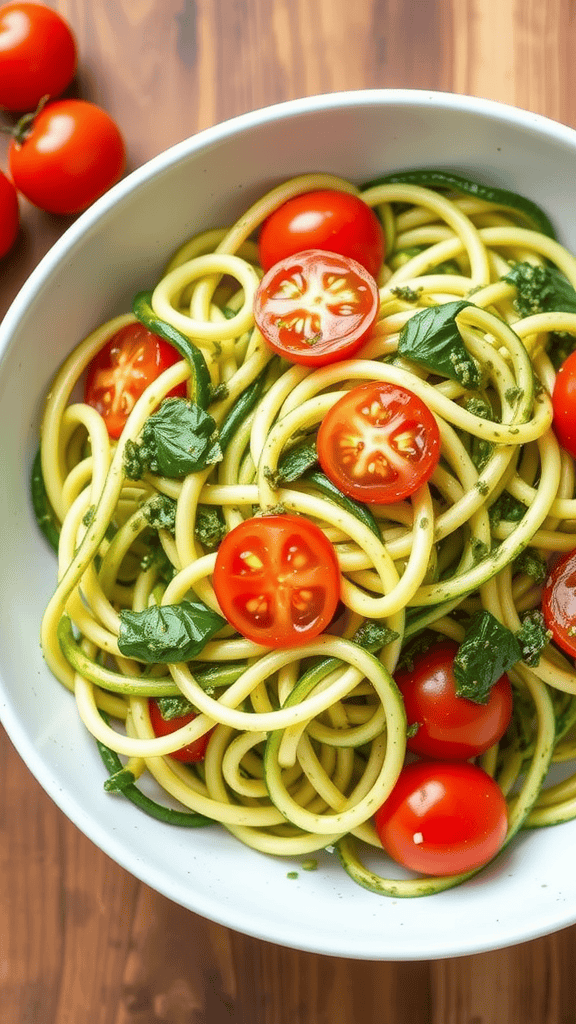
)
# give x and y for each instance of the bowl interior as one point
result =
(114, 250)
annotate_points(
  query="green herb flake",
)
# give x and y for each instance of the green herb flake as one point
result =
(310, 865)
(488, 650)
(174, 707)
(533, 637)
(541, 289)
(291, 874)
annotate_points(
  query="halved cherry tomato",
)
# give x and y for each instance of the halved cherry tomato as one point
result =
(9, 214)
(379, 443)
(123, 369)
(450, 727)
(564, 405)
(71, 154)
(328, 220)
(559, 603)
(277, 580)
(37, 55)
(195, 751)
(443, 818)
(316, 307)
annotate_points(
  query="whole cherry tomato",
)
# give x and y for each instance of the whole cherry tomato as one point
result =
(450, 727)
(316, 307)
(277, 580)
(123, 369)
(443, 818)
(9, 214)
(559, 602)
(564, 405)
(379, 443)
(71, 154)
(195, 751)
(327, 219)
(37, 55)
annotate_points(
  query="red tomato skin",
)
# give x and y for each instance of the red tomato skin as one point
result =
(327, 219)
(37, 55)
(341, 335)
(450, 728)
(9, 215)
(564, 405)
(73, 153)
(559, 603)
(348, 418)
(126, 365)
(277, 542)
(193, 752)
(443, 818)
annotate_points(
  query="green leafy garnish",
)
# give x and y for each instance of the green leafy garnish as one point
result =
(488, 650)
(160, 512)
(431, 338)
(173, 707)
(533, 637)
(541, 289)
(210, 527)
(178, 439)
(168, 633)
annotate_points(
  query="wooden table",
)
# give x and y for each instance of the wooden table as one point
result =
(80, 939)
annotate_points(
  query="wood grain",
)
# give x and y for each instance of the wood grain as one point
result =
(80, 939)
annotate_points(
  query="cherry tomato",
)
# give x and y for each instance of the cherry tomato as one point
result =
(316, 307)
(564, 405)
(443, 818)
(123, 369)
(559, 603)
(71, 155)
(378, 443)
(450, 727)
(195, 751)
(9, 214)
(277, 580)
(328, 220)
(37, 55)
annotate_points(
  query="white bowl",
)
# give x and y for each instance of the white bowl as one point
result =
(118, 247)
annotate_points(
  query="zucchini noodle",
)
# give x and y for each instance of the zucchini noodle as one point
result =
(306, 744)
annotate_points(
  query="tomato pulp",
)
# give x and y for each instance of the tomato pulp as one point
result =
(333, 221)
(123, 369)
(379, 443)
(316, 307)
(277, 580)
(192, 752)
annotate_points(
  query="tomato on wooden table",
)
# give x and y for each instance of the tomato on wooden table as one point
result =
(122, 370)
(316, 307)
(443, 818)
(277, 580)
(69, 156)
(9, 214)
(326, 219)
(195, 751)
(450, 727)
(559, 603)
(37, 55)
(564, 405)
(379, 443)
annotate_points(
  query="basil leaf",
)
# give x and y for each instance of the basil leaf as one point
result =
(431, 338)
(373, 635)
(178, 439)
(174, 707)
(166, 633)
(488, 650)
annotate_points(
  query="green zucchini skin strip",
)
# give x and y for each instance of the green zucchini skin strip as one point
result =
(208, 677)
(241, 408)
(200, 384)
(436, 178)
(184, 819)
(43, 513)
(319, 480)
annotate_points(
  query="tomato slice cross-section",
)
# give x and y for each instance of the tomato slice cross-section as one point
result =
(277, 580)
(316, 307)
(379, 443)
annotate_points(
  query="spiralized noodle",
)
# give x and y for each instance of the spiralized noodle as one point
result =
(306, 744)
